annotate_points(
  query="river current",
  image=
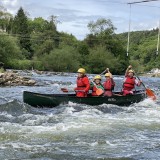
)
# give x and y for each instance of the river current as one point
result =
(74, 131)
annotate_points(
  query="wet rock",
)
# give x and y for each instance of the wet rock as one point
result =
(10, 78)
(31, 82)
(1, 75)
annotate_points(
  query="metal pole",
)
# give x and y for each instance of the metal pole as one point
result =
(129, 28)
(158, 38)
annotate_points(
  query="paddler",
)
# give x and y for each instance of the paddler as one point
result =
(96, 84)
(83, 84)
(130, 81)
(108, 84)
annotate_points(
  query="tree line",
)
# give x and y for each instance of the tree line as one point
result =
(27, 43)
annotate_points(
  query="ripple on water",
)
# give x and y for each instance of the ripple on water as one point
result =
(76, 131)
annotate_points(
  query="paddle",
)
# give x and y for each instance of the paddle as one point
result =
(66, 90)
(149, 92)
(99, 91)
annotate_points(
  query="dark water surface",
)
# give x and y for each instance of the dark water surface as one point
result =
(74, 131)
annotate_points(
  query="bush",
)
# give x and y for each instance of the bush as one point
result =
(100, 59)
(20, 64)
(9, 50)
(65, 59)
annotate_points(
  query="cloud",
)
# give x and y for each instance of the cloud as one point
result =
(76, 14)
(9, 2)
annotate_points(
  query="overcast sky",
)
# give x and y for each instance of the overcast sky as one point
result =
(76, 14)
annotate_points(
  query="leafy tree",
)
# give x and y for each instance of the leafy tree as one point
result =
(100, 26)
(4, 18)
(63, 59)
(38, 25)
(9, 50)
(99, 59)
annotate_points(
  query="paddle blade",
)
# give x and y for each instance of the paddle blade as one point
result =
(64, 89)
(150, 94)
(99, 92)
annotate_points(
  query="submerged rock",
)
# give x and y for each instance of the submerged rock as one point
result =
(11, 78)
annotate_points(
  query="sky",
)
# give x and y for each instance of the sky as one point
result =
(74, 15)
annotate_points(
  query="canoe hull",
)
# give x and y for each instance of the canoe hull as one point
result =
(53, 100)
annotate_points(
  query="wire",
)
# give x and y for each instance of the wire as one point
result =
(61, 38)
(142, 1)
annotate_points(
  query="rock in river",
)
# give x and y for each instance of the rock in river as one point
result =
(10, 78)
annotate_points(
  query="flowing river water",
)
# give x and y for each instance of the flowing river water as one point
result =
(75, 131)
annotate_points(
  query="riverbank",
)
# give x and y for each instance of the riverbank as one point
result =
(155, 72)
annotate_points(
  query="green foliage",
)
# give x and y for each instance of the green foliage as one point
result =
(20, 27)
(4, 18)
(142, 49)
(37, 44)
(9, 49)
(1, 70)
(100, 26)
(25, 64)
(20, 64)
(64, 59)
(99, 59)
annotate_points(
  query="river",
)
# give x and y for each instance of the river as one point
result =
(74, 131)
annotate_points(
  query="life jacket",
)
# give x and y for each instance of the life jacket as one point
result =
(129, 83)
(108, 85)
(84, 85)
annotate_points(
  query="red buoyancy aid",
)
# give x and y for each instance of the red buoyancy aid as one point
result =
(94, 91)
(129, 83)
(108, 85)
(83, 85)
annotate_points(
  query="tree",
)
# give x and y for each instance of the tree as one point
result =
(99, 59)
(4, 18)
(21, 28)
(61, 60)
(100, 26)
(9, 50)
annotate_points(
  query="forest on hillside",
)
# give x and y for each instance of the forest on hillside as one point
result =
(27, 43)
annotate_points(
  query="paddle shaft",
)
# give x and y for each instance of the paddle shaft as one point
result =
(104, 71)
(141, 82)
(66, 90)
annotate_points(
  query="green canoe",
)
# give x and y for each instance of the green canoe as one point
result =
(53, 100)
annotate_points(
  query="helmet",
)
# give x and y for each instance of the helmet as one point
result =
(81, 70)
(131, 71)
(97, 77)
(107, 75)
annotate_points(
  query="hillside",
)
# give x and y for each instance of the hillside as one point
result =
(143, 47)
(27, 43)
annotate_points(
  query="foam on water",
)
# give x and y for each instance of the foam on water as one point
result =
(76, 131)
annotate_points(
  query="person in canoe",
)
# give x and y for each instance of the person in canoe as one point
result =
(108, 84)
(96, 86)
(130, 81)
(83, 84)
